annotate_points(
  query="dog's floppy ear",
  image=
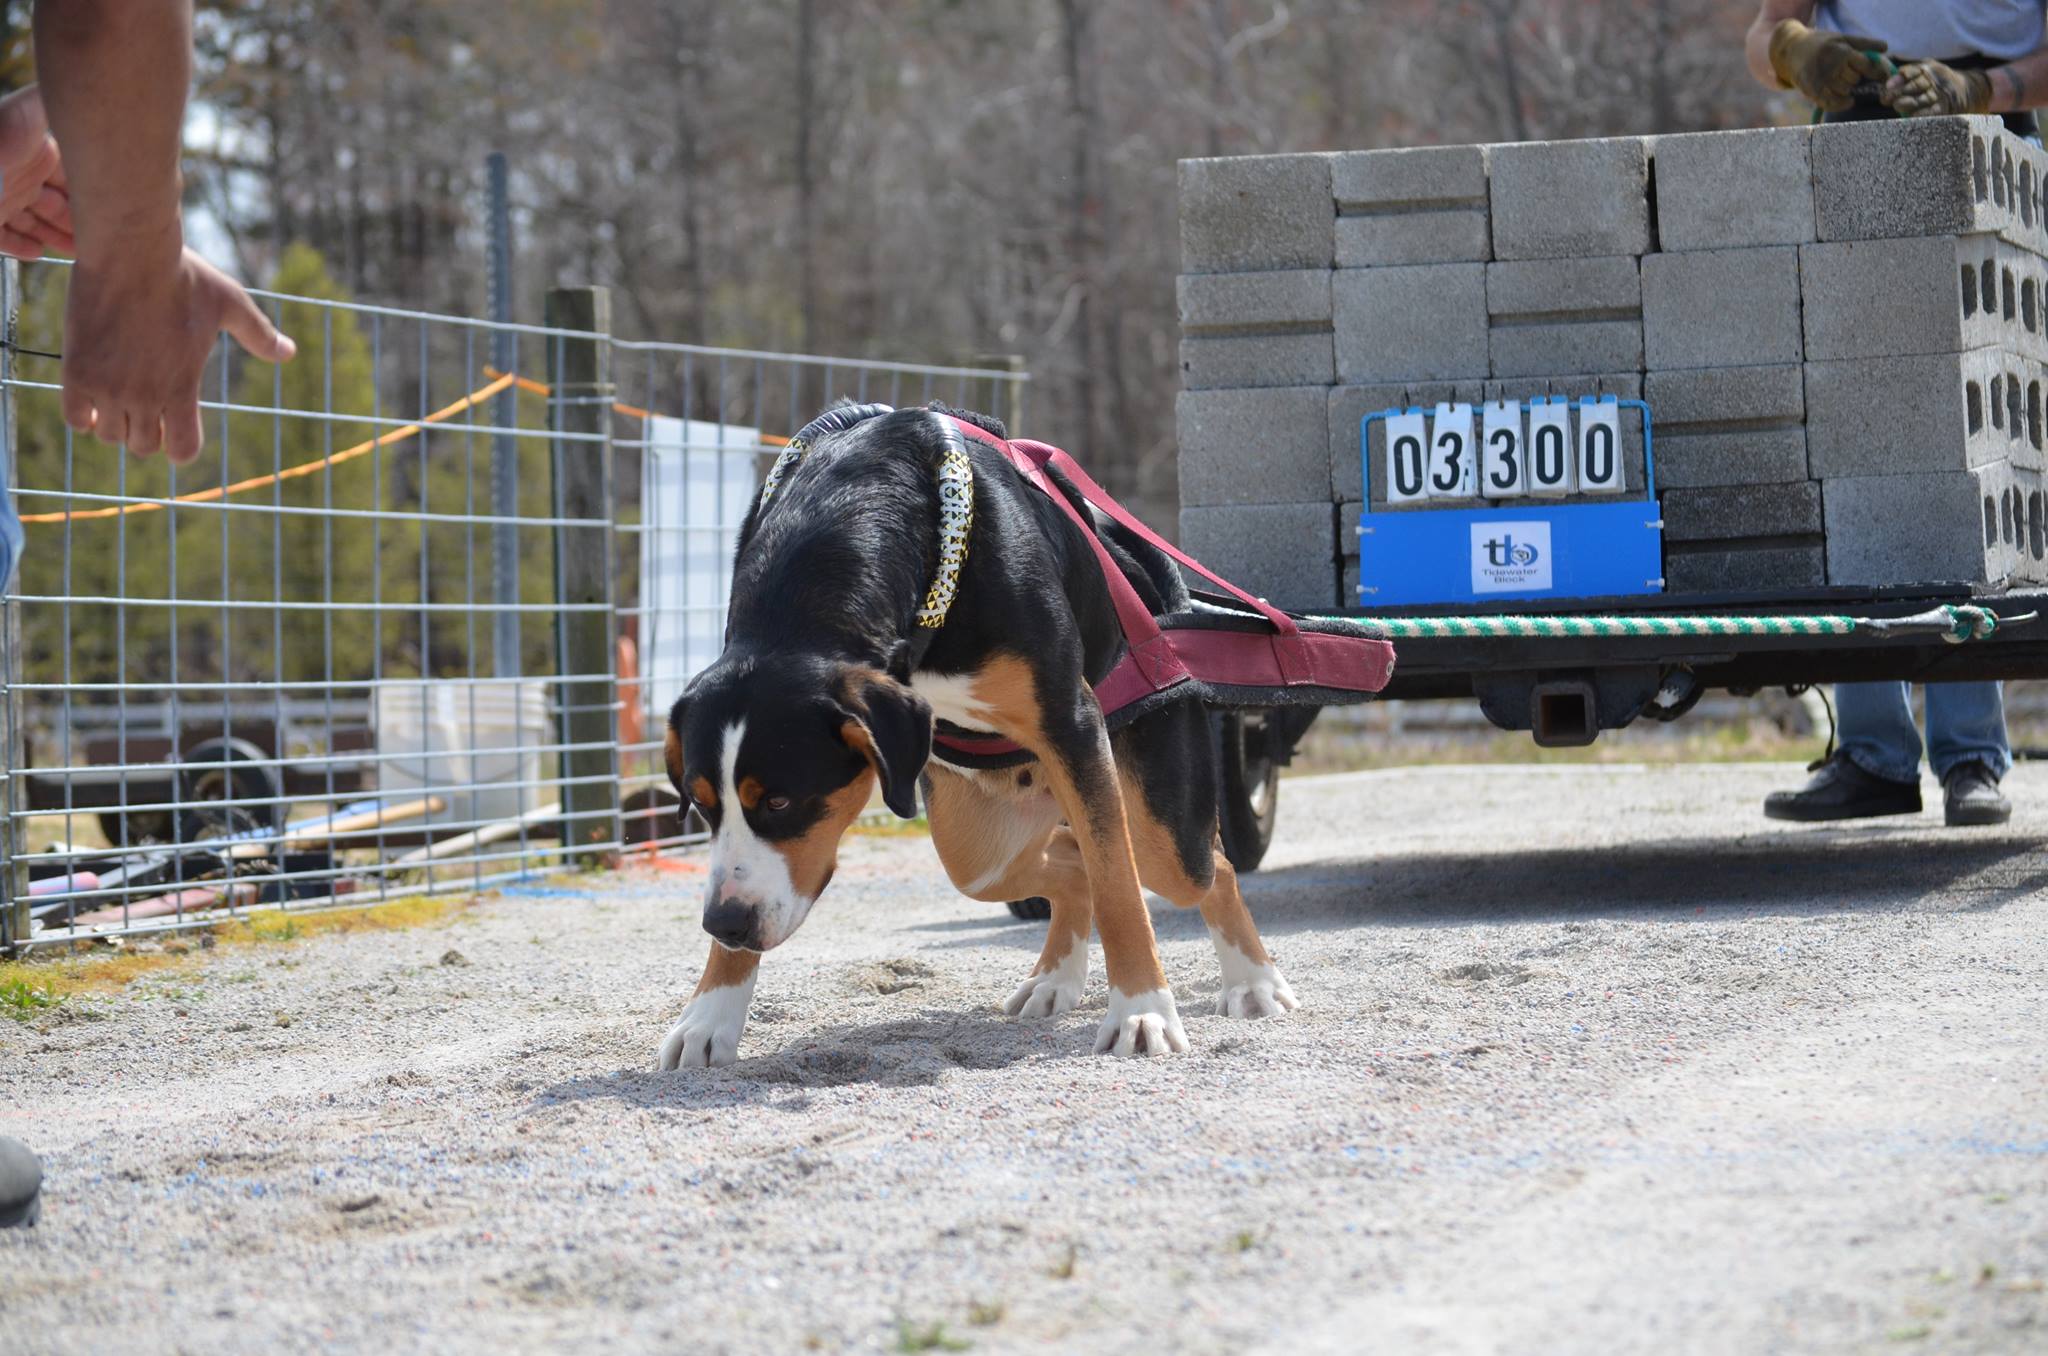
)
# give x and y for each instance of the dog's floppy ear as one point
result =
(672, 741)
(891, 726)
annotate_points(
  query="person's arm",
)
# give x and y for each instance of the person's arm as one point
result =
(143, 310)
(1757, 45)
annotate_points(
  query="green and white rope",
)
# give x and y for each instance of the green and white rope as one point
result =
(1952, 622)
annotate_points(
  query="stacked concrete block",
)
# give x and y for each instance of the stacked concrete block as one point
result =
(1559, 317)
(1256, 329)
(1422, 206)
(1835, 327)
(1281, 552)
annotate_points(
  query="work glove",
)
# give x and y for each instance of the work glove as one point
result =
(1825, 67)
(1924, 89)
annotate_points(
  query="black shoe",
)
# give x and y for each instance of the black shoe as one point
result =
(1841, 790)
(21, 1185)
(1970, 796)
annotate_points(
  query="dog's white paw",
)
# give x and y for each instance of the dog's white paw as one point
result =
(1265, 996)
(707, 1035)
(1140, 1024)
(1250, 988)
(1052, 992)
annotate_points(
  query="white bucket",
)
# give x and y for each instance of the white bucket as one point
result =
(475, 745)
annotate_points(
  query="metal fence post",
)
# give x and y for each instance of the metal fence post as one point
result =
(504, 449)
(579, 370)
(14, 912)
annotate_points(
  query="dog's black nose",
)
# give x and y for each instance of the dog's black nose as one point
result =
(732, 924)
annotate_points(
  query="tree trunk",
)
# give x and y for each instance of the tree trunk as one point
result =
(806, 182)
(1073, 37)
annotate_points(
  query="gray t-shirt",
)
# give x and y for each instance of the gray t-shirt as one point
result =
(2004, 30)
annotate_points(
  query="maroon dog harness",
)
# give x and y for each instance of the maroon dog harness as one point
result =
(1280, 656)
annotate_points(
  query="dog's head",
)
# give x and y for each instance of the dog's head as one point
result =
(779, 753)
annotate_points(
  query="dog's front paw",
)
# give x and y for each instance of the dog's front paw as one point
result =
(1048, 993)
(707, 1035)
(1140, 1024)
(1260, 995)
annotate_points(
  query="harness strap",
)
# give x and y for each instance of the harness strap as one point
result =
(1153, 652)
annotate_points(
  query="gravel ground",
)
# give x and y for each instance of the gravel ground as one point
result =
(1588, 1059)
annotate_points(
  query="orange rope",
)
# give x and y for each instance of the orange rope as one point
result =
(541, 388)
(500, 380)
(396, 435)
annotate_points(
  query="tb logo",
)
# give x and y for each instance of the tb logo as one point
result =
(1504, 551)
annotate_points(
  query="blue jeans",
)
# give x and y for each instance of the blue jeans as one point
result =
(1965, 723)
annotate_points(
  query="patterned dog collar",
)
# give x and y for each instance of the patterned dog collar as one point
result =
(956, 520)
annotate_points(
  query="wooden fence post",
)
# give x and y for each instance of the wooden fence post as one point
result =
(579, 370)
(14, 911)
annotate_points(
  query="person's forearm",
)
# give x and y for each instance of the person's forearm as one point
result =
(1756, 46)
(2020, 85)
(114, 75)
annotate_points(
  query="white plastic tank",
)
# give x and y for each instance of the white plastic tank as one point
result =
(474, 744)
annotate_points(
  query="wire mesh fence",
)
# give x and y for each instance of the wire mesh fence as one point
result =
(411, 623)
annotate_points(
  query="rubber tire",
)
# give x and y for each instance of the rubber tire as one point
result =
(256, 782)
(1036, 909)
(1248, 786)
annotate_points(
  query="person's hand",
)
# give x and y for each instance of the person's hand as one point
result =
(1924, 89)
(137, 333)
(35, 206)
(1825, 67)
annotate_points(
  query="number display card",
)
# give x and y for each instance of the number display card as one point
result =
(1451, 456)
(1407, 457)
(1600, 466)
(1551, 468)
(1503, 465)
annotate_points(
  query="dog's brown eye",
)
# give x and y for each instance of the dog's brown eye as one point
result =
(777, 803)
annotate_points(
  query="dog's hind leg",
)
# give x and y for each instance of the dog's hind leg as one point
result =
(1169, 783)
(1072, 746)
(999, 837)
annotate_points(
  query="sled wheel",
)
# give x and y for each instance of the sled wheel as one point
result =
(1033, 910)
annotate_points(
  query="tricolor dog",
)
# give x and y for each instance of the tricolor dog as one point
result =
(896, 574)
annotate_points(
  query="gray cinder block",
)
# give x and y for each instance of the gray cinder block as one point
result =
(1732, 512)
(1256, 360)
(1570, 199)
(1723, 398)
(1945, 527)
(1911, 415)
(2012, 426)
(1266, 446)
(1247, 213)
(1425, 205)
(1256, 329)
(1897, 177)
(1722, 308)
(2031, 547)
(1348, 514)
(1729, 425)
(1254, 303)
(1425, 323)
(1940, 294)
(1348, 406)
(1284, 553)
(1688, 459)
(1559, 317)
(1770, 568)
(1723, 190)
